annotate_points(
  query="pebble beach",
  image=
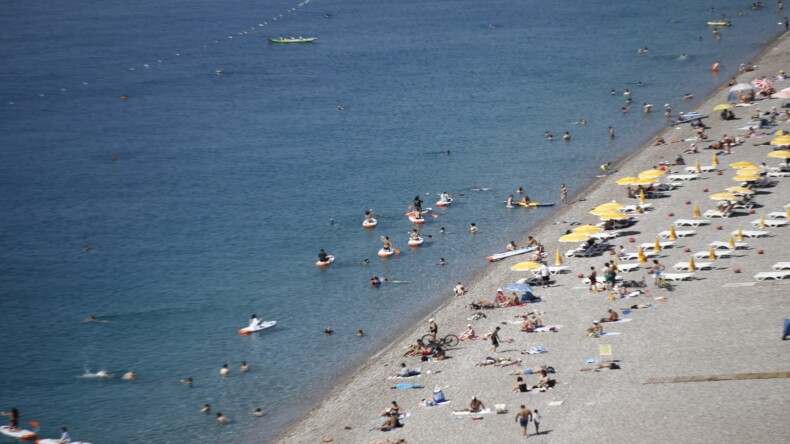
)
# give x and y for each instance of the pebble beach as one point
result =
(722, 324)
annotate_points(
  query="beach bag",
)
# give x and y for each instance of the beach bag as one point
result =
(438, 395)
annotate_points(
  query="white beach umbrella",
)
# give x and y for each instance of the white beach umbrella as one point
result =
(741, 87)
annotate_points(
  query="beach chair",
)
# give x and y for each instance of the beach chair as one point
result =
(778, 174)
(557, 269)
(779, 266)
(632, 256)
(651, 245)
(579, 252)
(668, 186)
(677, 276)
(690, 222)
(678, 233)
(625, 268)
(773, 223)
(683, 266)
(720, 254)
(726, 245)
(704, 169)
(605, 235)
(776, 215)
(682, 177)
(776, 275)
(716, 213)
(743, 206)
(751, 233)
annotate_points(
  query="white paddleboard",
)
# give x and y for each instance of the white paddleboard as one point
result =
(385, 253)
(329, 260)
(57, 441)
(444, 203)
(19, 433)
(261, 326)
(500, 256)
(369, 224)
(415, 242)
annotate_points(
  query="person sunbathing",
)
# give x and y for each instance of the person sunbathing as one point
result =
(612, 317)
(477, 305)
(498, 362)
(595, 330)
(527, 314)
(500, 298)
(475, 406)
(601, 366)
(534, 371)
(405, 372)
(468, 334)
(528, 325)
(637, 306)
(514, 302)
(392, 421)
(415, 349)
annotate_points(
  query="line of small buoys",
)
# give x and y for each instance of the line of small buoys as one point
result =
(145, 66)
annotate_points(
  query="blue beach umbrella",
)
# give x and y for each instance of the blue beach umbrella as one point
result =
(519, 287)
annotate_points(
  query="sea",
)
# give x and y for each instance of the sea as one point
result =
(167, 170)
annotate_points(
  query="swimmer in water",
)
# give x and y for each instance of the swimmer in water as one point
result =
(206, 409)
(520, 190)
(87, 248)
(258, 412)
(328, 331)
(566, 137)
(224, 371)
(473, 227)
(103, 374)
(187, 381)
(688, 96)
(441, 261)
(128, 376)
(341, 107)
(441, 230)
(244, 367)
(218, 73)
(360, 333)
(374, 281)
(222, 419)
(365, 261)
(92, 318)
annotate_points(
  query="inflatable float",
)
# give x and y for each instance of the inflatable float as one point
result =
(416, 242)
(719, 23)
(329, 260)
(19, 433)
(369, 223)
(263, 325)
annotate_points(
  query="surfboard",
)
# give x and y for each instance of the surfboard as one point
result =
(329, 260)
(262, 326)
(500, 256)
(57, 441)
(415, 242)
(20, 433)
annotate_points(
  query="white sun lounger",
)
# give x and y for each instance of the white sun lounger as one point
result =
(600, 280)
(773, 223)
(632, 256)
(726, 245)
(777, 215)
(678, 233)
(751, 233)
(625, 268)
(720, 254)
(605, 235)
(553, 270)
(691, 222)
(778, 174)
(781, 266)
(716, 213)
(678, 276)
(651, 245)
(703, 168)
(682, 266)
(579, 252)
(683, 177)
(778, 275)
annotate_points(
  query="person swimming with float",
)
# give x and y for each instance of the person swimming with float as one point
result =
(510, 200)
(525, 201)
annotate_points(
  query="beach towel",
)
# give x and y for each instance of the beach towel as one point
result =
(404, 386)
(633, 294)
(546, 328)
(536, 350)
(620, 321)
(609, 333)
(481, 412)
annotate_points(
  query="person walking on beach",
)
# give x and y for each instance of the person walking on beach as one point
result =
(536, 419)
(564, 194)
(433, 328)
(523, 416)
(656, 270)
(495, 339)
(593, 277)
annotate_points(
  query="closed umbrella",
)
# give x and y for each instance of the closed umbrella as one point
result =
(558, 258)
(697, 168)
(657, 245)
(696, 211)
(574, 237)
(641, 255)
(587, 229)
(692, 265)
(739, 235)
(672, 234)
(641, 197)
(525, 266)
(715, 160)
(731, 243)
(651, 174)
(762, 221)
(712, 254)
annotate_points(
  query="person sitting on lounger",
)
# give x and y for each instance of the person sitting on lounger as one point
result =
(603, 365)
(595, 330)
(468, 334)
(613, 317)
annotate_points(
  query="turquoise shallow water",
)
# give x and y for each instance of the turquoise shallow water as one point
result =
(224, 186)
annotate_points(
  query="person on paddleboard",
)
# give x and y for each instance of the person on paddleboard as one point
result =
(322, 256)
(414, 235)
(417, 204)
(368, 216)
(255, 322)
(525, 200)
(510, 200)
(444, 197)
(387, 244)
(13, 419)
(65, 437)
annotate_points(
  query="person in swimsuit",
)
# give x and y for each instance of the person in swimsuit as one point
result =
(387, 244)
(564, 194)
(13, 419)
(655, 271)
(523, 416)
(258, 412)
(224, 371)
(495, 339)
(521, 386)
(414, 235)
(322, 256)
(433, 328)
(244, 367)
(417, 204)
(595, 330)
(510, 200)
(613, 316)
(444, 197)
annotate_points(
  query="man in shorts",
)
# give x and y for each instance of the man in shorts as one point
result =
(523, 416)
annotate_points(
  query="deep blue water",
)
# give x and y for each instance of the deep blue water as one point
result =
(224, 186)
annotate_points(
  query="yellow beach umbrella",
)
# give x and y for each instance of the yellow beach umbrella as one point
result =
(613, 216)
(739, 235)
(723, 196)
(714, 160)
(672, 234)
(722, 106)
(711, 254)
(697, 168)
(641, 255)
(641, 197)
(779, 154)
(558, 258)
(574, 237)
(696, 211)
(779, 133)
(746, 178)
(692, 265)
(625, 180)
(749, 170)
(781, 140)
(587, 229)
(762, 221)
(610, 206)
(787, 215)
(731, 243)
(657, 245)
(651, 174)
(525, 266)
(644, 181)
(742, 164)
(739, 190)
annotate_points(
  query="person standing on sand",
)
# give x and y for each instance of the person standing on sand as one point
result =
(656, 270)
(536, 419)
(495, 339)
(433, 328)
(523, 416)
(564, 194)
(593, 277)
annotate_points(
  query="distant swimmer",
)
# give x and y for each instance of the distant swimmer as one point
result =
(614, 92)
(550, 137)
(625, 110)
(520, 190)
(375, 281)
(688, 96)
(473, 227)
(683, 56)
(244, 367)
(258, 412)
(222, 419)
(187, 381)
(129, 376)
(124, 97)
(328, 331)
(629, 101)
(441, 230)
(87, 248)
(341, 108)
(94, 319)
(224, 371)
(442, 262)
(566, 137)
(218, 73)
(647, 107)
(627, 92)
(582, 121)
(611, 132)
(206, 409)
(365, 261)
(360, 333)
(103, 374)
(331, 222)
